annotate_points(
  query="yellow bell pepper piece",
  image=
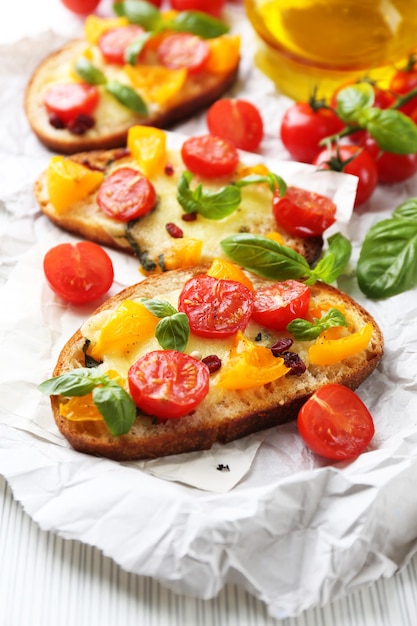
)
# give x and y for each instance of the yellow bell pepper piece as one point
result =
(220, 268)
(224, 54)
(184, 252)
(80, 409)
(130, 324)
(155, 82)
(329, 351)
(250, 366)
(69, 182)
(147, 146)
(95, 26)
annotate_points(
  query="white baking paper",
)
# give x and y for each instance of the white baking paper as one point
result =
(292, 529)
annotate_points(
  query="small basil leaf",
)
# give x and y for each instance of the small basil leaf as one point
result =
(89, 73)
(407, 210)
(116, 406)
(353, 99)
(172, 332)
(392, 130)
(134, 49)
(77, 382)
(138, 12)
(198, 23)
(213, 205)
(160, 308)
(272, 180)
(335, 258)
(304, 330)
(127, 96)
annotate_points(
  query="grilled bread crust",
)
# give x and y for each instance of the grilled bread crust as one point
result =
(224, 415)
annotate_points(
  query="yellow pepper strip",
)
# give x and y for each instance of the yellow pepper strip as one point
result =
(69, 182)
(130, 324)
(95, 26)
(250, 366)
(184, 252)
(328, 351)
(220, 268)
(156, 83)
(147, 146)
(224, 54)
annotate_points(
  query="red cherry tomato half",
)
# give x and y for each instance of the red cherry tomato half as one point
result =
(335, 423)
(68, 100)
(214, 7)
(80, 272)
(303, 213)
(209, 156)
(237, 121)
(352, 160)
(126, 194)
(168, 384)
(303, 127)
(114, 42)
(276, 305)
(215, 308)
(81, 7)
(183, 50)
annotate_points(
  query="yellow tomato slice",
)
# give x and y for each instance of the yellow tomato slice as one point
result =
(147, 146)
(69, 182)
(328, 351)
(80, 409)
(224, 54)
(156, 83)
(184, 252)
(220, 268)
(95, 26)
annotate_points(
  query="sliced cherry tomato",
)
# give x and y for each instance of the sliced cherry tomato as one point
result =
(237, 121)
(126, 194)
(392, 168)
(168, 384)
(69, 100)
(303, 127)
(214, 7)
(276, 305)
(114, 42)
(352, 160)
(80, 272)
(303, 213)
(81, 7)
(335, 423)
(215, 308)
(183, 50)
(209, 156)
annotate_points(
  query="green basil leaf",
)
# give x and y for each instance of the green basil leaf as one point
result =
(138, 12)
(89, 73)
(304, 330)
(265, 257)
(77, 382)
(172, 332)
(127, 96)
(335, 258)
(406, 210)
(134, 49)
(198, 23)
(116, 406)
(271, 179)
(160, 308)
(213, 205)
(392, 130)
(388, 258)
(353, 99)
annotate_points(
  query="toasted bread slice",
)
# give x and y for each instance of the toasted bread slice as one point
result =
(224, 414)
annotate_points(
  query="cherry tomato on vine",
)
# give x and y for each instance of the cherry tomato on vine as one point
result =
(303, 127)
(353, 160)
(68, 100)
(237, 121)
(80, 272)
(335, 423)
(126, 194)
(403, 81)
(183, 50)
(392, 168)
(114, 42)
(214, 7)
(215, 307)
(81, 7)
(303, 213)
(209, 156)
(276, 305)
(168, 384)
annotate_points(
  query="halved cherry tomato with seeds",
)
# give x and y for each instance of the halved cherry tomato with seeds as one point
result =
(335, 423)
(181, 50)
(209, 156)
(237, 121)
(126, 194)
(114, 42)
(303, 213)
(68, 100)
(276, 305)
(168, 384)
(215, 308)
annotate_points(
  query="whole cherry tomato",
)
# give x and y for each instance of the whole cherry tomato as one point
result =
(114, 42)
(335, 423)
(213, 7)
(303, 213)
(209, 156)
(69, 100)
(80, 272)
(351, 160)
(303, 127)
(238, 121)
(403, 81)
(81, 7)
(392, 168)
(126, 194)
(168, 384)
(215, 307)
(183, 50)
(276, 305)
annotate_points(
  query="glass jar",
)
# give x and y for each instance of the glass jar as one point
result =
(308, 44)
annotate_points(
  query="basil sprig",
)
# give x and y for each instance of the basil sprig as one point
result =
(388, 257)
(114, 403)
(304, 330)
(274, 261)
(173, 329)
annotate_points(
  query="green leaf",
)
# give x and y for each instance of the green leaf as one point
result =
(392, 130)
(127, 96)
(77, 382)
(335, 258)
(303, 330)
(272, 180)
(172, 332)
(211, 204)
(89, 73)
(198, 23)
(406, 210)
(138, 12)
(135, 48)
(116, 406)
(160, 308)
(353, 99)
